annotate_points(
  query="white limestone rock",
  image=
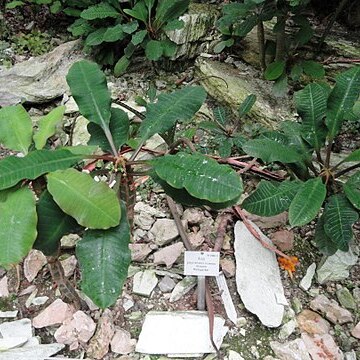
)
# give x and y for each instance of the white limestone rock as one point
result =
(258, 277)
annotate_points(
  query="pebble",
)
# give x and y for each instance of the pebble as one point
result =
(345, 298)
(306, 281)
(167, 284)
(164, 231)
(312, 323)
(144, 282)
(182, 288)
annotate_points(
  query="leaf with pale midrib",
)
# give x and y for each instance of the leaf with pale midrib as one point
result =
(104, 258)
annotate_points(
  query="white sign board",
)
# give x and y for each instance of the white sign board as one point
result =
(201, 263)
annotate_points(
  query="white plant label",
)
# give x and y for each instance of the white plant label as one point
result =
(201, 263)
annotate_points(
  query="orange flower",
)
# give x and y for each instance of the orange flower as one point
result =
(289, 264)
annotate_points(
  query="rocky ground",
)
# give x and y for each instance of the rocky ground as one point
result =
(267, 313)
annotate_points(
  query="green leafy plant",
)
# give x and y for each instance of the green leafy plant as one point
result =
(45, 195)
(54, 6)
(34, 43)
(115, 31)
(224, 130)
(239, 18)
(316, 187)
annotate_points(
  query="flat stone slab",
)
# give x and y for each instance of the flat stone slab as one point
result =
(181, 333)
(258, 277)
(144, 282)
(38, 352)
(39, 79)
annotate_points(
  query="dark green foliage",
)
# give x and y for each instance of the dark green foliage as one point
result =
(299, 146)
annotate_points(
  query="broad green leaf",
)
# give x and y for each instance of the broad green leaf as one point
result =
(339, 217)
(153, 50)
(293, 132)
(222, 115)
(82, 150)
(104, 258)
(89, 89)
(52, 225)
(55, 7)
(130, 27)
(181, 196)
(180, 105)
(304, 34)
(149, 4)
(246, 105)
(342, 99)
(96, 37)
(225, 145)
(119, 128)
(138, 37)
(219, 47)
(17, 226)
(168, 10)
(80, 27)
(93, 204)
(270, 200)
(354, 156)
(114, 33)
(47, 126)
(313, 69)
(72, 12)
(352, 189)
(172, 25)
(274, 70)
(245, 26)
(269, 150)
(39, 162)
(139, 12)
(169, 47)
(121, 66)
(14, 4)
(307, 202)
(15, 128)
(202, 177)
(311, 106)
(322, 241)
(99, 11)
(296, 72)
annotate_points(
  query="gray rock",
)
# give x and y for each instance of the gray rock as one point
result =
(293, 350)
(331, 309)
(182, 288)
(306, 281)
(169, 254)
(145, 215)
(337, 266)
(8, 314)
(122, 343)
(198, 32)
(164, 231)
(351, 355)
(139, 252)
(32, 352)
(346, 299)
(322, 347)
(20, 328)
(144, 282)
(231, 86)
(80, 134)
(287, 329)
(12, 342)
(39, 79)
(258, 282)
(167, 284)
